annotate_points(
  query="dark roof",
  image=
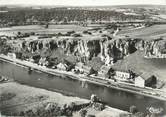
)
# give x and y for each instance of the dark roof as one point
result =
(121, 69)
(146, 75)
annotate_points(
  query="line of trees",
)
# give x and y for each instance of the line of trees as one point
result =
(16, 17)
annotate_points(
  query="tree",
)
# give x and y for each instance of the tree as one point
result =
(94, 98)
(5, 49)
(139, 114)
(83, 112)
(133, 109)
(111, 73)
(19, 33)
(92, 71)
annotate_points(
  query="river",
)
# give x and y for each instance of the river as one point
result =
(113, 97)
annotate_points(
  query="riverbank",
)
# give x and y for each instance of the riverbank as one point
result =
(21, 98)
(154, 93)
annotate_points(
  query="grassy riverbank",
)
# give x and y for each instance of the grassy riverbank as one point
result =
(21, 98)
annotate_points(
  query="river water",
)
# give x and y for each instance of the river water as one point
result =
(113, 97)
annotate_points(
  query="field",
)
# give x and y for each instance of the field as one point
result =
(24, 97)
(162, 16)
(42, 29)
(154, 31)
(16, 98)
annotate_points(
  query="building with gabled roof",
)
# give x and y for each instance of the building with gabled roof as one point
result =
(145, 80)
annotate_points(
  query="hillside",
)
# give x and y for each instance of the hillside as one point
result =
(139, 64)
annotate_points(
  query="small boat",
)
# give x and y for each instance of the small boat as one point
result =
(30, 70)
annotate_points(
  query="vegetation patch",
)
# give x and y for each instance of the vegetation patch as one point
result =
(95, 63)
(6, 96)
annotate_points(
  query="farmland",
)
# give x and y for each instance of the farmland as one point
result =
(154, 31)
(41, 29)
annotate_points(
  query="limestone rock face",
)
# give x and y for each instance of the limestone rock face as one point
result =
(155, 49)
(109, 51)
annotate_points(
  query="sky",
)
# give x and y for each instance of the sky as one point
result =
(81, 2)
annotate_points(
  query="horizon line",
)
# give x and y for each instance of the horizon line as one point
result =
(82, 5)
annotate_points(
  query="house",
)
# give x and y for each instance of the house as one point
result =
(145, 79)
(62, 66)
(12, 55)
(103, 71)
(139, 81)
(122, 75)
(82, 68)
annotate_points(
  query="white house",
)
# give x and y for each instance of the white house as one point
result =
(62, 66)
(12, 55)
(122, 75)
(139, 81)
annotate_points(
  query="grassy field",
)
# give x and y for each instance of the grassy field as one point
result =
(42, 29)
(22, 98)
(154, 31)
(26, 97)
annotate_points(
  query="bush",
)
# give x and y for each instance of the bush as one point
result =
(77, 35)
(6, 96)
(133, 109)
(124, 115)
(98, 106)
(83, 112)
(90, 115)
(21, 113)
(72, 106)
(139, 114)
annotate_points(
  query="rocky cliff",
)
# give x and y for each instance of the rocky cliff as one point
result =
(155, 48)
(108, 50)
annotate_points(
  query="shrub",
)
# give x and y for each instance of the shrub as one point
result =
(139, 114)
(133, 109)
(83, 112)
(90, 115)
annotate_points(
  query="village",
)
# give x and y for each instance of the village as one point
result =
(106, 73)
(33, 43)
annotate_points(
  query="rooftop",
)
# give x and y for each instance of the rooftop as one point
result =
(146, 75)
